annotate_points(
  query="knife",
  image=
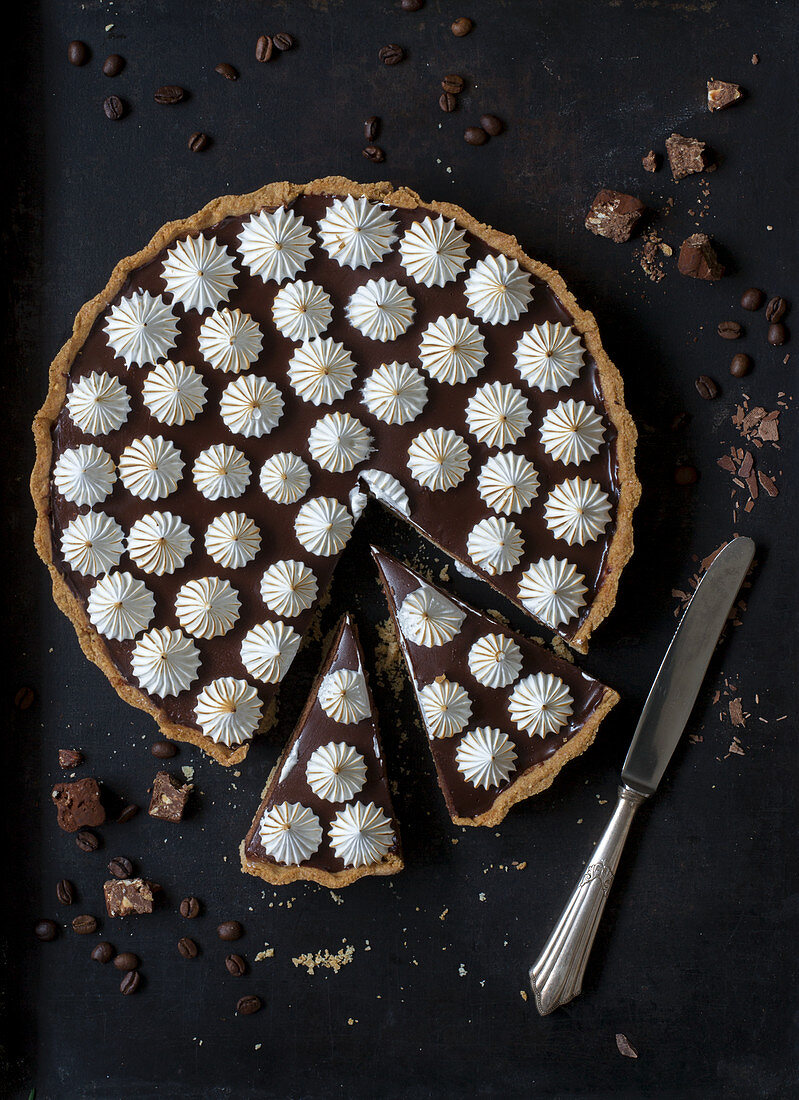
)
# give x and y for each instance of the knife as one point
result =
(557, 976)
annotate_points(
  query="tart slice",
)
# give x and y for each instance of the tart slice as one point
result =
(326, 812)
(502, 714)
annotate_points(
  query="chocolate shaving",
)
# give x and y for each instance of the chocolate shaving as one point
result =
(736, 712)
(625, 1046)
(768, 484)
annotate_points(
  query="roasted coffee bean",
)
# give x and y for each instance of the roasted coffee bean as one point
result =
(65, 892)
(412, 5)
(462, 27)
(235, 965)
(198, 141)
(130, 983)
(77, 53)
(70, 758)
(706, 387)
(24, 697)
(686, 475)
(103, 952)
(113, 65)
(127, 813)
(245, 1006)
(777, 335)
(374, 153)
(391, 54)
(188, 948)
(264, 48)
(126, 960)
(120, 867)
(475, 135)
(776, 310)
(740, 365)
(84, 925)
(752, 299)
(230, 930)
(114, 108)
(45, 930)
(283, 41)
(190, 908)
(169, 94)
(453, 83)
(729, 330)
(87, 841)
(165, 750)
(492, 125)
(227, 71)
(447, 102)
(371, 128)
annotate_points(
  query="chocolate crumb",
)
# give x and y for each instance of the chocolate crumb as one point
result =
(169, 797)
(78, 804)
(721, 94)
(614, 215)
(698, 258)
(687, 156)
(129, 896)
(650, 161)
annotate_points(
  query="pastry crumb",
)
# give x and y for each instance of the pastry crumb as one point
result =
(325, 959)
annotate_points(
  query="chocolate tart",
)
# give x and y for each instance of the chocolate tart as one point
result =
(292, 783)
(445, 516)
(538, 758)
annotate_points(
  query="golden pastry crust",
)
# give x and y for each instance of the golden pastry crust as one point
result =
(275, 194)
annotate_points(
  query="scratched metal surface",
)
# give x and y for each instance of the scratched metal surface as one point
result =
(695, 961)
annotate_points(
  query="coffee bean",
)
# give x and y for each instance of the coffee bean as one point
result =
(190, 908)
(391, 54)
(264, 48)
(77, 53)
(776, 310)
(114, 108)
(113, 65)
(227, 71)
(729, 330)
(127, 813)
(412, 5)
(462, 27)
(245, 1006)
(374, 153)
(84, 925)
(453, 83)
(197, 143)
(70, 758)
(24, 698)
(126, 960)
(475, 135)
(230, 930)
(283, 42)
(45, 930)
(169, 94)
(447, 102)
(165, 750)
(492, 125)
(686, 475)
(740, 365)
(120, 867)
(777, 334)
(706, 387)
(235, 965)
(371, 128)
(188, 948)
(130, 983)
(87, 841)
(752, 299)
(103, 952)
(65, 892)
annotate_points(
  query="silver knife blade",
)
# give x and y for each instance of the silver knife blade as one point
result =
(673, 694)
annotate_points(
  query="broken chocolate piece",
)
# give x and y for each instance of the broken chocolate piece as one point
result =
(128, 897)
(650, 161)
(614, 215)
(698, 258)
(721, 94)
(70, 758)
(78, 804)
(169, 797)
(687, 156)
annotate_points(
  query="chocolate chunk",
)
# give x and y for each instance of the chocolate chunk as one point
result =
(752, 299)
(721, 94)
(78, 804)
(69, 759)
(169, 797)
(614, 215)
(698, 258)
(650, 161)
(687, 156)
(128, 897)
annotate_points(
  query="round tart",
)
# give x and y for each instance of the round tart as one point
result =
(220, 400)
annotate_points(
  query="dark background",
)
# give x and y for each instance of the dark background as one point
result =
(696, 958)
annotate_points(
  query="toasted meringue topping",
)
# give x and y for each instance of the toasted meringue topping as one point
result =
(356, 232)
(497, 414)
(251, 405)
(381, 309)
(321, 371)
(232, 540)
(268, 650)
(120, 606)
(549, 356)
(387, 489)
(228, 711)
(141, 329)
(572, 432)
(275, 245)
(446, 707)
(221, 471)
(343, 696)
(165, 662)
(395, 393)
(285, 478)
(495, 660)
(199, 273)
(84, 474)
(92, 543)
(338, 442)
(540, 704)
(361, 834)
(486, 757)
(151, 467)
(336, 771)
(438, 459)
(508, 482)
(577, 511)
(497, 290)
(434, 251)
(495, 545)
(98, 403)
(207, 607)
(552, 590)
(302, 310)
(159, 543)
(288, 588)
(173, 392)
(323, 526)
(452, 349)
(230, 340)
(428, 618)
(290, 833)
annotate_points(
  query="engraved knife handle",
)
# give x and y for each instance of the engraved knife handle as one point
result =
(557, 975)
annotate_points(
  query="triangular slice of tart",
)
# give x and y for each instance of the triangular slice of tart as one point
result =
(326, 812)
(502, 714)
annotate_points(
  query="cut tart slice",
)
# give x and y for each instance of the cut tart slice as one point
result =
(326, 812)
(502, 714)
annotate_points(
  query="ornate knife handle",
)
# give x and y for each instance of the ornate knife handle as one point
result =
(557, 976)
